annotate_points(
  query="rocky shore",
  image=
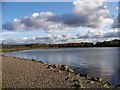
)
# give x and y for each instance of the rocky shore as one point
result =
(29, 73)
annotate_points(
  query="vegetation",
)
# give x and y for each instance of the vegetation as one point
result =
(7, 48)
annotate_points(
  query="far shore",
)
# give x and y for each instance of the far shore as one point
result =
(10, 48)
(29, 73)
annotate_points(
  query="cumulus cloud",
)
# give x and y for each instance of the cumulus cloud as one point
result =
(88, 36)
(86, 13)
(90, 14)
(116, 23)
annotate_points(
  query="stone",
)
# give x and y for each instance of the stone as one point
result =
(83, 75)
(90, 82)
(78, 75)
(49, 66)
(55, 66)
(32, 60)
(64, 67)
(94, 79)
(105, 85)
(118, 85)
(70, 70)
(99, 79)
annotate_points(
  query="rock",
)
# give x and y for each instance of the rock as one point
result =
(55, 66)
(105, 85)
(99, 79)
(70, 70)
(45, 63)
(33, 60)
(94, 79)
(40, 61)
(118, 85)
(108, 83)
(90, 82)
(49, 66)
(78, 75)
(83, 75)
(64, 67)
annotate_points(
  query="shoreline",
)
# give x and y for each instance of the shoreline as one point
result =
(71, 78)
(55, 48)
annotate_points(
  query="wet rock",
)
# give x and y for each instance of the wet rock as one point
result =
(118, 85)
(33, 60)
(93, 78)
(45, 63)
(40, 61)
(64, 67)
(55, 66)
(70, 70)
(105, 85)
(83, 75)
(49, 66)
(108, 83)
(99, 79)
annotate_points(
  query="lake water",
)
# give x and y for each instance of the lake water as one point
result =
(97, 62)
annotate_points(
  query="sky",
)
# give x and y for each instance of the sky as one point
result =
(58, 22)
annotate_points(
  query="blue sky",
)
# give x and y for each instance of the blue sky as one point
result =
(13, 10)
(21, 9)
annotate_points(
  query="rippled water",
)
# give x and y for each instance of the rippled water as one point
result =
(98, 62)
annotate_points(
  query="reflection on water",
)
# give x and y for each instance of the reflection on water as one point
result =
(98, 62)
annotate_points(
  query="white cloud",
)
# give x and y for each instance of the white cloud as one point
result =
(91, 14)
(88, 35)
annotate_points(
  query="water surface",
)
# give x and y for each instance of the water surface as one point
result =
(97, 62)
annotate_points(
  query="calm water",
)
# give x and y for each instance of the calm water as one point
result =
(98, 62)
